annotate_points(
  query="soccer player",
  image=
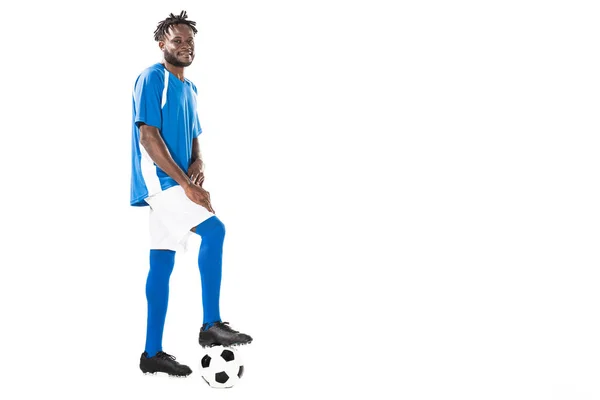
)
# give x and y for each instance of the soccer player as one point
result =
(167, 176)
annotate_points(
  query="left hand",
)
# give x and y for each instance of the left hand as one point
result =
(196, 172)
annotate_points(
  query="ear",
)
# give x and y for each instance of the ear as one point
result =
(161, 45)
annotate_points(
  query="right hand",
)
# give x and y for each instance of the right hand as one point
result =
(199, 196)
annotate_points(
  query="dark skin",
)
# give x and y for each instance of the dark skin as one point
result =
(178, 52)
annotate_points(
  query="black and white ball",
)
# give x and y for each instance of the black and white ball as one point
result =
(221, 367)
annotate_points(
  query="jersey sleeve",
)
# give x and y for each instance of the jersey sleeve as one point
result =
(147, 95)
(197, 128)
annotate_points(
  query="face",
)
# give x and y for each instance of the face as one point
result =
(178, 45)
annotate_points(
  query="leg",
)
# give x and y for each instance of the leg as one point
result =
(157, 295)
(168, 215)
(210, 263)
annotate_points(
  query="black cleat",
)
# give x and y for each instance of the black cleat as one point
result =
(221, 334)
(163, 362)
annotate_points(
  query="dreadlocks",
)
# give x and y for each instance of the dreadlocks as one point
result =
(163, 26)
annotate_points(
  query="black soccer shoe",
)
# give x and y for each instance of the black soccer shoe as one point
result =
(221, 334)
(163, 362)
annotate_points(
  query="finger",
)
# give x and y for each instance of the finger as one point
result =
(209, 206)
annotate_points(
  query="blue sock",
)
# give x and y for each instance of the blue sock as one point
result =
(157, 294)
(210, 262)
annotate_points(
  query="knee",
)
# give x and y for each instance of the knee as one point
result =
(212, 227)
(218, 227)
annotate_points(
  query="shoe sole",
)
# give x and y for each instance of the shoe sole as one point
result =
(165, 373)
(152, 372)
(238, 344)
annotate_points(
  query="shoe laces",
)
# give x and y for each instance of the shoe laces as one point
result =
(162, 354)
(225, 326)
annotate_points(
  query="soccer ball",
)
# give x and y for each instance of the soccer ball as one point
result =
(221, 367)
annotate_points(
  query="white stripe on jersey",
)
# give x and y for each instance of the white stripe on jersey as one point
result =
(146, 164)
(164, 96)
(149, 172)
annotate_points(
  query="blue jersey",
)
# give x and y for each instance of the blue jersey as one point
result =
(160, 99)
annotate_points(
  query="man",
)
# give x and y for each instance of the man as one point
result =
(167, 176)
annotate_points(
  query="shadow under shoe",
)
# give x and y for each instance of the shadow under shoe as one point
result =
(221, 334)
(163, 362)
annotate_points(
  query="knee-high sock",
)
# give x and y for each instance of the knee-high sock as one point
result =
(210, 262)
(157, 294)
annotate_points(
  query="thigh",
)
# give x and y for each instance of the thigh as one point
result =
(173, 215)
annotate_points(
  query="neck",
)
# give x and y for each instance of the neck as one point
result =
(177, 71)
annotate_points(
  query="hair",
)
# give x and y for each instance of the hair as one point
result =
(163, 26)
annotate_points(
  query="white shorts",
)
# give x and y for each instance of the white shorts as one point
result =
(172, 215)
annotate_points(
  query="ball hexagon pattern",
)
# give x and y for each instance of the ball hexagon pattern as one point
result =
(221, 367)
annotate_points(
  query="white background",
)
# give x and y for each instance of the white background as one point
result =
(410, 191)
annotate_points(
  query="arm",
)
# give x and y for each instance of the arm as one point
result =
(157, 150)
(196, 153)
(196, 168)
(154, 144)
